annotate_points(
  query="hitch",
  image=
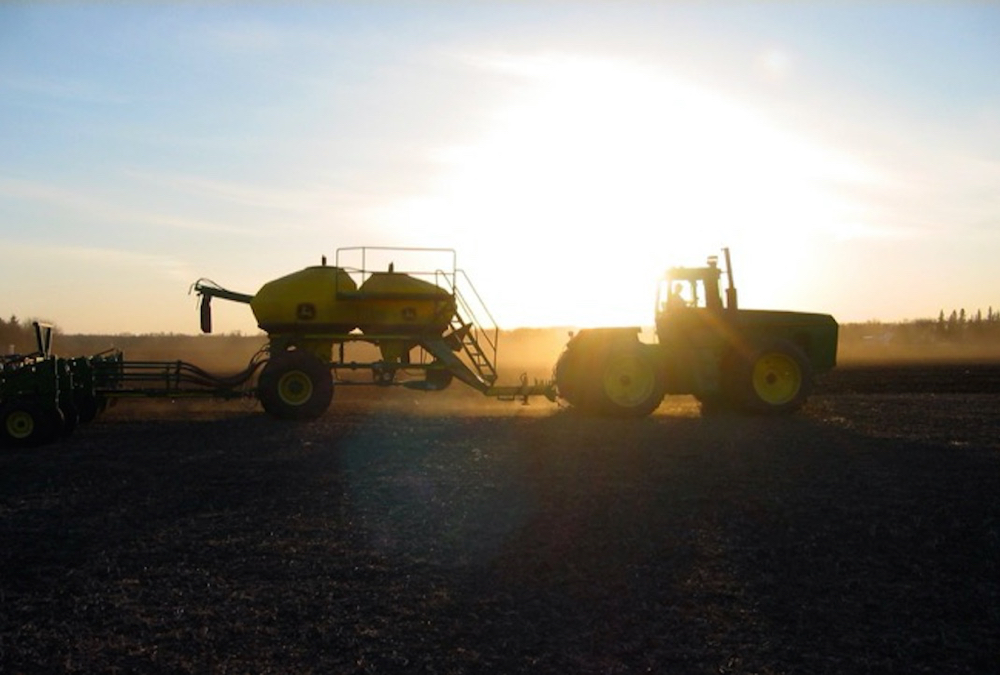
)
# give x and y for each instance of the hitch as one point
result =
(523, 391)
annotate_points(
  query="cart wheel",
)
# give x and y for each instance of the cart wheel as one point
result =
(776, 379)
(438, 379)
(27, 424)
(295, 385)
(631, 382)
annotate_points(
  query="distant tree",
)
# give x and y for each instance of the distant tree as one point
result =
(14, 335)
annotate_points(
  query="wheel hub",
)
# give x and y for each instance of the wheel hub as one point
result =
(295, 388)
(777, 378)
(20, 425)
(628, 381)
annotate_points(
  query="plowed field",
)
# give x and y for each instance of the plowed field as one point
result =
(445, 533)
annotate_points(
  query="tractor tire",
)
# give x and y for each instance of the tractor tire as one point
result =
(567, 377)
(295, 385)
(577, 378)
(630, 382)
(28, 424)
(776, 379)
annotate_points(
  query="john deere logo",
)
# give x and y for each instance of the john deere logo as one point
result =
(306, 311)
(409, 314)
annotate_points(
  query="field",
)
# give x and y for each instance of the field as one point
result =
(446, 533)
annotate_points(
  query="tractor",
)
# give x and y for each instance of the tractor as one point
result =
(756, 361)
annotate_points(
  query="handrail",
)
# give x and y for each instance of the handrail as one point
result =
(364, 253)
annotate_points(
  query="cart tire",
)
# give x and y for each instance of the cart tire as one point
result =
(28, 424)
(295, 385)
(437, 380)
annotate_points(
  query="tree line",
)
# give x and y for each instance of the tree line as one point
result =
(17, 336)
(957, 326)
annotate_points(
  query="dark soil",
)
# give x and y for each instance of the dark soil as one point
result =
(445, 533)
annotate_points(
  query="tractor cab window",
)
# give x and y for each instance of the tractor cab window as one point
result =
(675, 294)
(688, 291)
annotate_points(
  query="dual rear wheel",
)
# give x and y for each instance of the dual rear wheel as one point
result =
(631, 382)
(620, 380)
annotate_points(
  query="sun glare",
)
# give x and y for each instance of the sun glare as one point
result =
(600, 173)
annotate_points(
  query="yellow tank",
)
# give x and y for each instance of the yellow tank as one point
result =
(391, 303)
(307, 300)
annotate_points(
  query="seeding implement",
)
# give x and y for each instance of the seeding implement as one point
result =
(43, 396)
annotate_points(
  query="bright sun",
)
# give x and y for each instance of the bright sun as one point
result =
(601, 173)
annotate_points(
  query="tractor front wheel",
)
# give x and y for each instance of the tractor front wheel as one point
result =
(295, 385)
(776, 379)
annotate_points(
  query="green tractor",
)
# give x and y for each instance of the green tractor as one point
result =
(756, 361)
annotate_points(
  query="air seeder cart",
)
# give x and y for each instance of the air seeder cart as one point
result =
(415, 306)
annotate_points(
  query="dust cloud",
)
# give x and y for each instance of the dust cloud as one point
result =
(531, 352)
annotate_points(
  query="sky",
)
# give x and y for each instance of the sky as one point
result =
(847, 153)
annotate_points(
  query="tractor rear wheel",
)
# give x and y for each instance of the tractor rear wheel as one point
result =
(776, 379)
(28, 424)
(295, 385)
(631, 382)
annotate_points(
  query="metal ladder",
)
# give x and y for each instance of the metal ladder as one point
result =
(465, 337)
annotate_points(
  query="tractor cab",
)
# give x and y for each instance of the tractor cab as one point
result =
(685, 288)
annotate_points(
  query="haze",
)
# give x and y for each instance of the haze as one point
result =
(848, 155)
